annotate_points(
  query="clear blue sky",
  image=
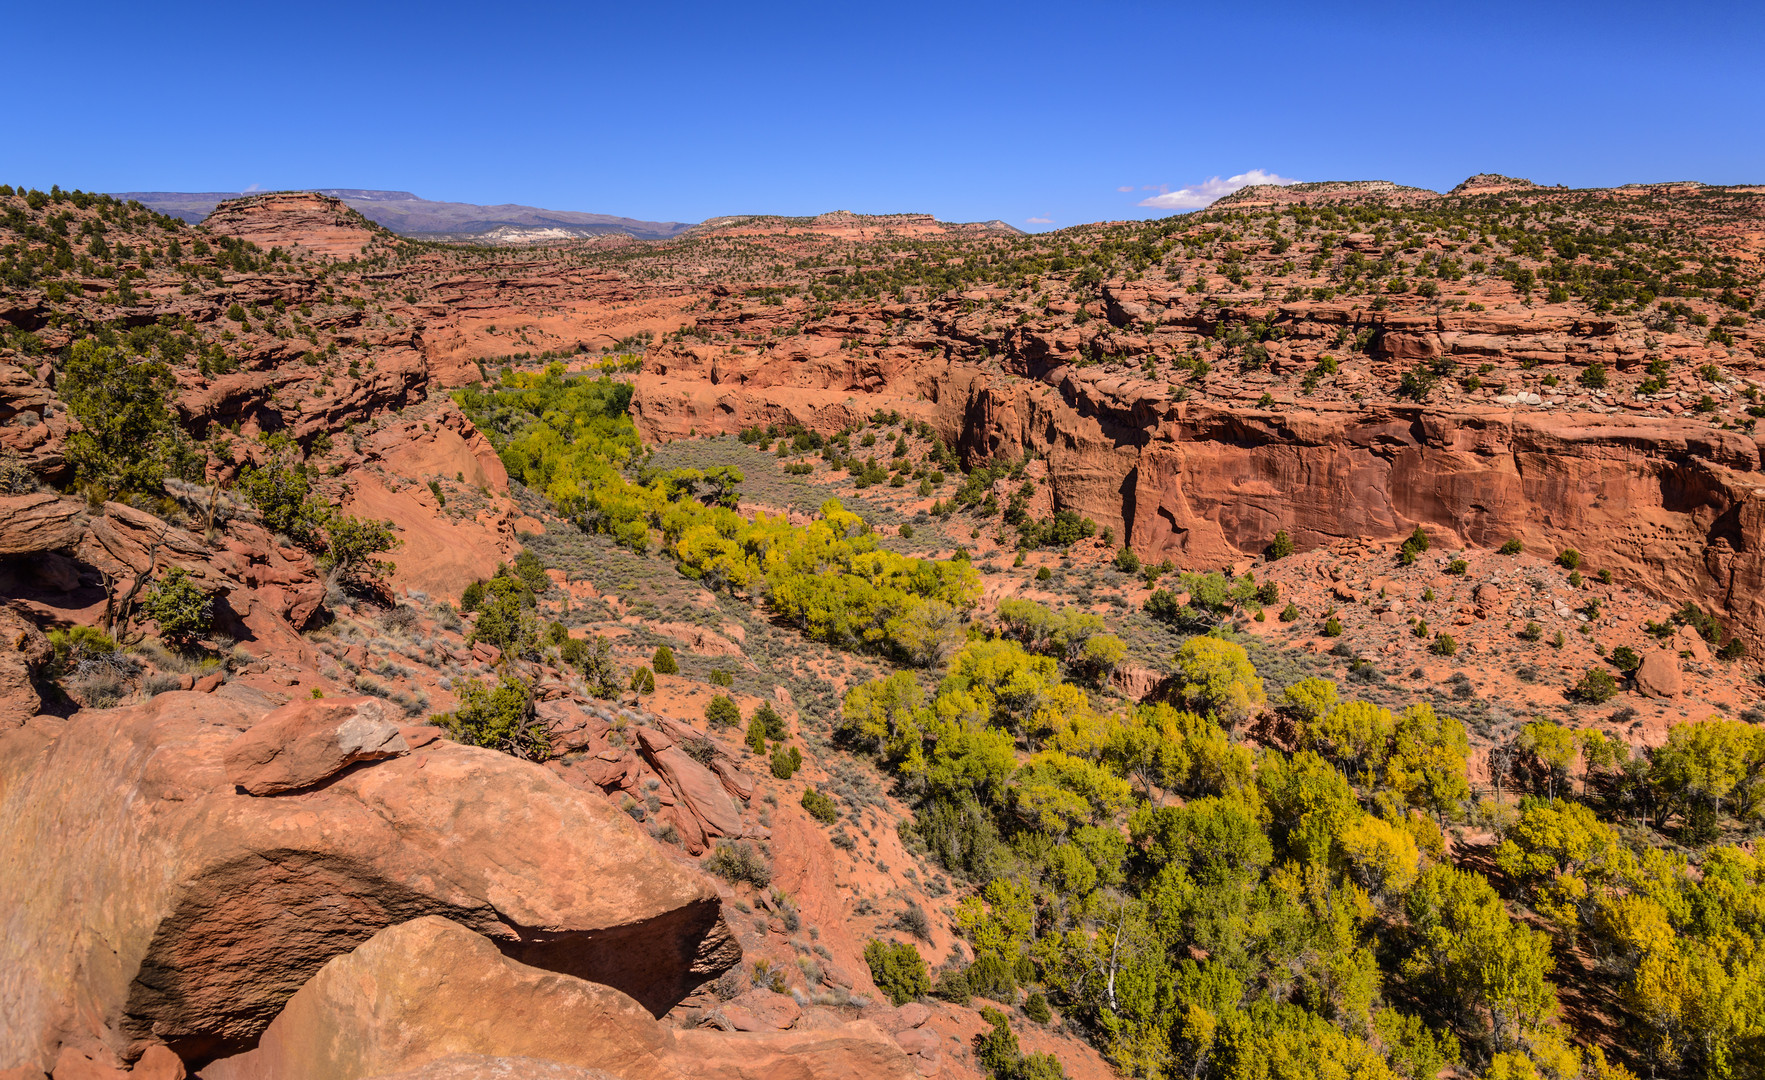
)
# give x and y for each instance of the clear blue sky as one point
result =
(1020, 111)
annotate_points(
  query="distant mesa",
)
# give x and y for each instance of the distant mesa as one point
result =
(853, 226)
(1261, 195)
(297, 221)
(1489, 183)
(410, 215)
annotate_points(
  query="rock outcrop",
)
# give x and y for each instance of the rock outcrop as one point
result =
(144, 899)
(296, 219)
(306, 742)
(431, 991)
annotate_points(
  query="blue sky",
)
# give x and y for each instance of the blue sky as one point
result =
(1048, 114)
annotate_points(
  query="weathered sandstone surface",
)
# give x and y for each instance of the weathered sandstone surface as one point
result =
(149, 899)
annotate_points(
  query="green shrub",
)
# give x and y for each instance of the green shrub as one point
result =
(1596, 687)
(756, 736)
(77, 644)
(1444, 645)
(471, 597)
(739, 863)
(720, 677)
(898, 970)
(1332, 627)
(1036, 1007)
(351, 544)
(129, 438)
(772, 723)
(722, 711)
(1126, 561)
(663, 663)
(1569, 559)
(1512, 547)
(281, 492)
(1281, 546)
(786, 760)
(1458, 567)
(1413, 545)
(1532, 632)
(906, 530)
(179, 607)
(643, 680)
(819, 806)
(1290, 613)
(1625, 658)
(1042, 573)
(500, 717)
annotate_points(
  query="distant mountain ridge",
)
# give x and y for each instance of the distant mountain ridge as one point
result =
(411, 215)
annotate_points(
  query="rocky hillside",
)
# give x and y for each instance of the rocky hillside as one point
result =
(1309, 637)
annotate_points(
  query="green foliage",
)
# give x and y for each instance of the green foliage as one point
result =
(898, 970)
(819, 806)
(1281, 546)
(129, 439)
(503, 616)
(785, 761)
(1414, 545)
(775, 726)
(351, 544)
(1569, 559)
(1126, 561)
(281, 491)
(76, 645)
(500, 717)
(1596, 687)
(1512, 546)
(1443, 645)
(721, 710)
(1216, 676)
(740, 863)
(180, 608)
(643, 680)
(663, 662)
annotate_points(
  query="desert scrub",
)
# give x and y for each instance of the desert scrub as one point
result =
(740, 863)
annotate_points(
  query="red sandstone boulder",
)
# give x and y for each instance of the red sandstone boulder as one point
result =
(762, 1010)
(39, 521)
(143, 898)
(698, 787)
(1659, 675)
(305, 742)
(432, 999)
(23, 651)
(429, 988)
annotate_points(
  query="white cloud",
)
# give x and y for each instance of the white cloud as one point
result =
(1038, 221)
(1128, 187)
(1204, 194)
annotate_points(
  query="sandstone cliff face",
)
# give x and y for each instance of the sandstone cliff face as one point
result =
(1671, 506)
(144, 898)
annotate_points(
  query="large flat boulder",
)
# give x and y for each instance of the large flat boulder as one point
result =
(431, 998)
(429, 989)
(143, 898)
(306, 742)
